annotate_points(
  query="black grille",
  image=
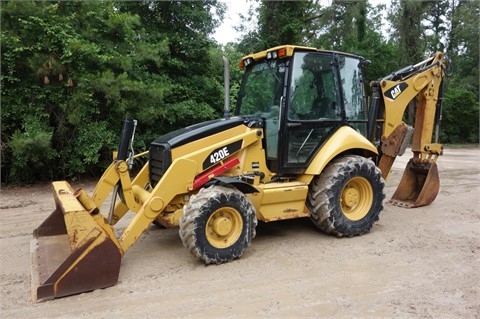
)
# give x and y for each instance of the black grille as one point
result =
(160, 160)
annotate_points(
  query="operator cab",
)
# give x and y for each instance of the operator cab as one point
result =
(303, 96)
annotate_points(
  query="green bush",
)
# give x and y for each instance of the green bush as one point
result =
(460, 117)
(32, 153)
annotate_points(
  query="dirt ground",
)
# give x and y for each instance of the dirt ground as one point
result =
(416, 263)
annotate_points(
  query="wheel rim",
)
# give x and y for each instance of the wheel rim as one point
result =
(357, 198)
(224, 227)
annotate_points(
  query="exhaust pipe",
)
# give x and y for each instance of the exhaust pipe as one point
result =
(226, 80)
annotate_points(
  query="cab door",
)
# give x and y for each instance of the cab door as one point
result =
(324, 92)
(312, 111)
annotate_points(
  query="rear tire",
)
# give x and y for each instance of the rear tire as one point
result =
(217, 224)
(347, 197)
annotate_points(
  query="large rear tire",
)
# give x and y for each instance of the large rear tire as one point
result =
(218, 224)
(347, 197)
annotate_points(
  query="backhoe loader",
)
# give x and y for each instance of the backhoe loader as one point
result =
(303, 142)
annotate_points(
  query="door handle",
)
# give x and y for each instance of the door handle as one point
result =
(294, 124)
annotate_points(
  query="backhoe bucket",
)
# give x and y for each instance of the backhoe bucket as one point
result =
(73, 250)
(419, 185)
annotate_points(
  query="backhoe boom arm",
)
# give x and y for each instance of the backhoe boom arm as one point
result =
(421, 83)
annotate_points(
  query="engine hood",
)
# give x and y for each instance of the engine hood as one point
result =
(197, 131)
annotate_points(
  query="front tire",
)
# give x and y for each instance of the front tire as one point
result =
(347, 197)
(217, 224)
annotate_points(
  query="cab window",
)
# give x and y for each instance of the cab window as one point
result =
(353, 93)
(313, 90)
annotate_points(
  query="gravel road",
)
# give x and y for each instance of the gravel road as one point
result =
(415, 263)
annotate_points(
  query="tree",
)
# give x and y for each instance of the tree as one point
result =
(342, 25)
(464, 44)
(71, 71)
(406, 17)
(460, 116)
(279, 22)
(461, 111)
(195, 76)
(65, 67)
(355, 27)
(437, 25)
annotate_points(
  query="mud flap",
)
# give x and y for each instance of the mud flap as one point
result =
(419, 185)
(72, 251)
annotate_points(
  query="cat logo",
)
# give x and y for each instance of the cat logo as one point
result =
(395, 92)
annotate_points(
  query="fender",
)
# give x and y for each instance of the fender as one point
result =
(238, 184)
(346, 138)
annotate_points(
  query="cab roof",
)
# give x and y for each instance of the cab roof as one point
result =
(284, 51)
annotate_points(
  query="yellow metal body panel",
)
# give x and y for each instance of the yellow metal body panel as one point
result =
(252, 158)
(277, 201)
(198, 150)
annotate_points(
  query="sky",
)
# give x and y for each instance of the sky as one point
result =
(226, 33)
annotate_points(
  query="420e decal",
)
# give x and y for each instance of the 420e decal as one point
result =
(221, 153)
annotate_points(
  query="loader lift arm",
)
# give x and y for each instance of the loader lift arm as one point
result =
(76, 250)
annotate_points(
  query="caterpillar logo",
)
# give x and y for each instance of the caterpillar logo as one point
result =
(395, 92)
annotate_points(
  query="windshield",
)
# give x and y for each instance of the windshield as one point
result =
(262, 88)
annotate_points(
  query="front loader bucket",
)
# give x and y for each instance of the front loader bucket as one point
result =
(419, 185)
(72, 251)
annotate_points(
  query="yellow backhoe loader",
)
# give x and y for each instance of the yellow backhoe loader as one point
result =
(303, 142)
